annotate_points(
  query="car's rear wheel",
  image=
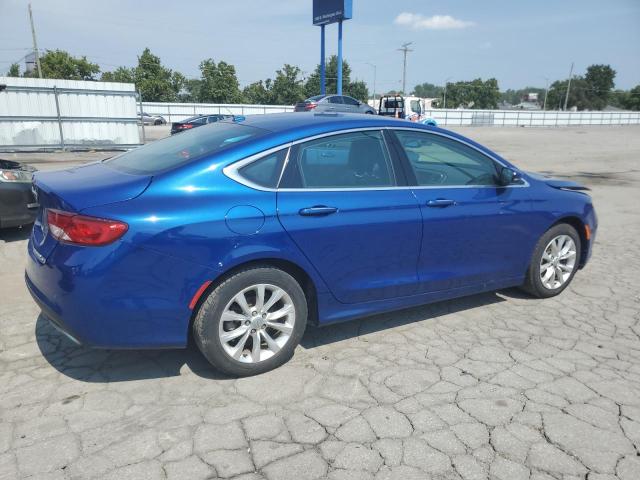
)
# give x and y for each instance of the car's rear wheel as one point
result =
(158, 122)
(554, 262)
(251, 322)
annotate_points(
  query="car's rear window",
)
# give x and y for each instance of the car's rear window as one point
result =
(184, 147)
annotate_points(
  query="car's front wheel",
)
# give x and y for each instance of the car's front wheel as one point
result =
(554, 262)
(251, 322)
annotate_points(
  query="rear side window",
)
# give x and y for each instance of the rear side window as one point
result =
(350, 160)
(180, 149)
(265, 172)
(335, 99)
(441, 161)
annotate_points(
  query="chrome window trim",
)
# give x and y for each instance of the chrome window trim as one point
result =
(231, 170)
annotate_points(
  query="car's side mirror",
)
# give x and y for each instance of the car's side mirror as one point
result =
(508, 176)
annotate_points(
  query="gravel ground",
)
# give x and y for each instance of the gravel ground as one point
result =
(496, 385)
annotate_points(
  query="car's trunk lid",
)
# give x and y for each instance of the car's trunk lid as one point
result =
(77, 189)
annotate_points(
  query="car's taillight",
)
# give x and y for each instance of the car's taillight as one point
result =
(310, 106)
(185, 126)
(82, 230)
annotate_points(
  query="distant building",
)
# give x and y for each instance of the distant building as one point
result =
(531, 97)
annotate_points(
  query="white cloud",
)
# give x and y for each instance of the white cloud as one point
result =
(418, 21)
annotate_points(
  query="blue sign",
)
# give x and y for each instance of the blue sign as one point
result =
(331, 11)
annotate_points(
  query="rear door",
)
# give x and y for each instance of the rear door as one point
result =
(475, 232)
(335, 104)
(351, 105)
(339, 202)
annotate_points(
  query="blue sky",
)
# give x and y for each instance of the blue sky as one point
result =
(519, 42)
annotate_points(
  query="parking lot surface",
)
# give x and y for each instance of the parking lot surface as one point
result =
(497, 385)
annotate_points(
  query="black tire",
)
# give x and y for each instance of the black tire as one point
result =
(369, 112)
(533, 284)
(158, 122)
(208, 318)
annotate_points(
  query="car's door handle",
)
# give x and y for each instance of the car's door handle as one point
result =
(318, 210)
(441, 202)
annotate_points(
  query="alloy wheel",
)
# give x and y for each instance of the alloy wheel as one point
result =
(557, 262)
(256, 323)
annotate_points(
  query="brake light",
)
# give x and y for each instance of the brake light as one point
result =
(82, 230)
(185, 126)
(310, 105)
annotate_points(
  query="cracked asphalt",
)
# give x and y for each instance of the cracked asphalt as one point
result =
(497, 385)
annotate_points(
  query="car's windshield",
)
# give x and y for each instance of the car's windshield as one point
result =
(183, 148)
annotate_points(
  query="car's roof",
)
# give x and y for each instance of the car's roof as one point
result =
(279, 122)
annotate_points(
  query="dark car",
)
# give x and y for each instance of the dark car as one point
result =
(197, 121)
(333, 103)
(18, 206)
(244, 231)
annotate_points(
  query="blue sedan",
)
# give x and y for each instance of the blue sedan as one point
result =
(242, 232)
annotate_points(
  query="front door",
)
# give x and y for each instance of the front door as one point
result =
(474, 231)
(339, 203)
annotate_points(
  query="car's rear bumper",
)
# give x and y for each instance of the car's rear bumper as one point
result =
(117, 296)
(17, 205)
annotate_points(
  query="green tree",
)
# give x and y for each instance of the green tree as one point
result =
(219, 83)
(354, 89)
(578, 94)
(14, 70)
(60, 64)
(599, 83)
(120, 75)
(190, 90)
(631, 99)
(154, 81)
(258, 92)
(475, 94)
(287, 87)
(427, 90)
(358, 90)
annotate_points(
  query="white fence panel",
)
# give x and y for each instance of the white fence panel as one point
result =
(49, 113)
(527, 118)
(176, 112)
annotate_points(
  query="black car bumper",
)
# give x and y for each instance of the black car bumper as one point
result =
(18, 206)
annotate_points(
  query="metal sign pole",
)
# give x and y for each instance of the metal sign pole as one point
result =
(340, 57)
(323, 67)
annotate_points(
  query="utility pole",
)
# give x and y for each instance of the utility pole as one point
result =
(546, 93)
(374, 80)
(405, 50)
(35, 43)
(566, 98)
(446, 82)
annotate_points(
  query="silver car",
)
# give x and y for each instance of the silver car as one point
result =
(149, 119)
(333, 103)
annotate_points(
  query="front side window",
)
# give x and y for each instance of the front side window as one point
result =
(415, 106)
(441, 161)
(176, 150)
(350, 101)
(349, 160)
